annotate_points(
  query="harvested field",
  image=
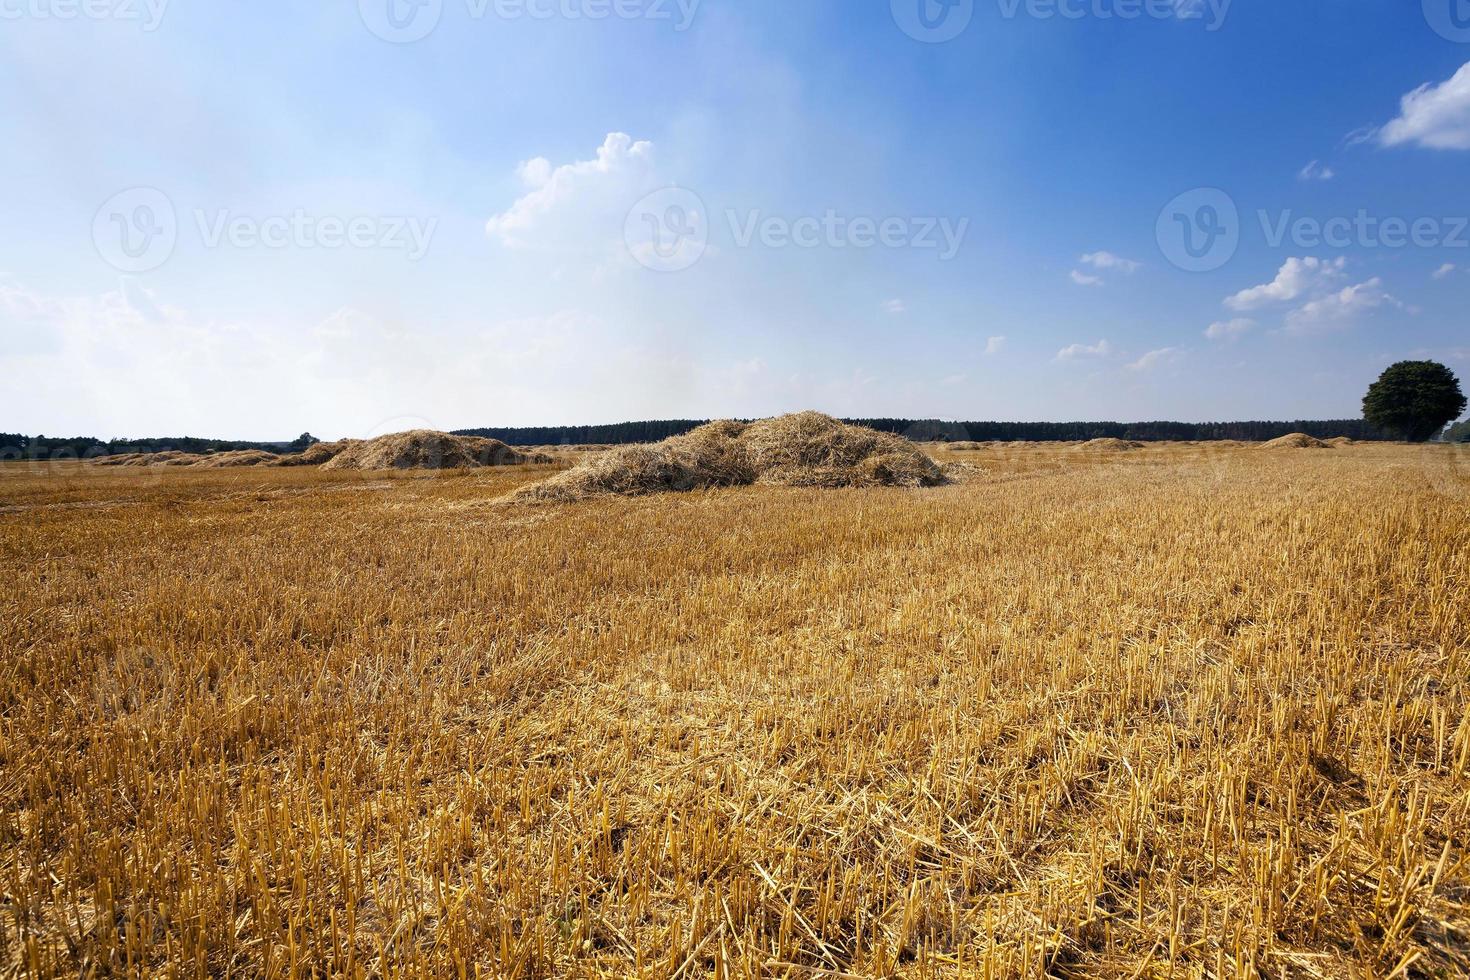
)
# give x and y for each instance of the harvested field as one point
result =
(807, 449)
(1176, 713)
(426, 450)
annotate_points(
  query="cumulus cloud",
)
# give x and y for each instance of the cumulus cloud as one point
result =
(1083, 279)
(1445, 270)
(1074, 352)
(568, 203)
(1341, 306)
(1155, 358)
(1296, 278)
(1230, 329)
(994, 346)
(1107, 260)
(1316, 170)
(1433, 116)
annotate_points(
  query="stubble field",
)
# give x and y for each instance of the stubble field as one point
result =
(1179, 712)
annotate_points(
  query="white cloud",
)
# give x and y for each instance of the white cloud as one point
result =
(1230, 329)
(1107, 260)
(1341, 306)
(567, 203)
(1296, 278)
(1434, 116)
(1073, 352)
(1083, 279)
(1154, 358)
(1445, 270)
(1316, 170)
(994, 346)
(895, 307)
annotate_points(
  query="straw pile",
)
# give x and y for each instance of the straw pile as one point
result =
(423, 449)
(239, 458)
(171, 457)
(807, 449)
(1109, 446)
(317, 453)
(1339, 441)
(1296, 440)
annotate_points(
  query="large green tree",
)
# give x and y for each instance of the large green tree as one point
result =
(1414, 400)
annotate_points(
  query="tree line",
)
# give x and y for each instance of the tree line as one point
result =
(934, 430)
(14, 445)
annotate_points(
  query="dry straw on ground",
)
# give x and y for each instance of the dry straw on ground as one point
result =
(423, 449)
(1171, 714)
(807, 449)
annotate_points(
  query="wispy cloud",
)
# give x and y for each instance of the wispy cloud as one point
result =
(1316, 170)
(1107, 260)
(1074, 352)
(1155, 358)
(1230, 329)
(1083, 279)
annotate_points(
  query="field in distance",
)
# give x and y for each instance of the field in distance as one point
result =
(1171, 711)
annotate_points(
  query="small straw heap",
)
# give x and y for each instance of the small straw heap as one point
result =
(1296, 440)
(423, 449)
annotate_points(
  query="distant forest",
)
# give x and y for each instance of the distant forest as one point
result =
(930, 430)
(16, 446)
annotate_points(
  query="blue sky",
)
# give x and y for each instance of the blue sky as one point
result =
(247, 220)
